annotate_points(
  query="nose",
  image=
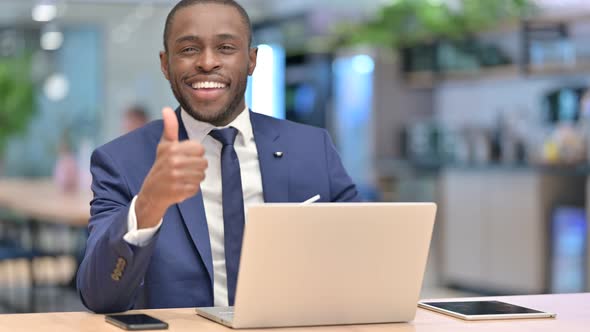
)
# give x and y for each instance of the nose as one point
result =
(208, 61)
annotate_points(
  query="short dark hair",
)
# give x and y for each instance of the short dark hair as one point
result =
(187, 3)
(138, 111)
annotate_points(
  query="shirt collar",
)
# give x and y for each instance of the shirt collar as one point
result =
(198, 130)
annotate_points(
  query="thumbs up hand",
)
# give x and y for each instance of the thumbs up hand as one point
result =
(175, 176)
(170, 132)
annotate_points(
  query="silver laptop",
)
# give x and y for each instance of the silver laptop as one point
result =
(329, 264)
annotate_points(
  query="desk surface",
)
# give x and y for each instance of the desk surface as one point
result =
(573, 314)
(43, 201)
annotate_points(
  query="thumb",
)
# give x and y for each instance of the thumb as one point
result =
(170, 132)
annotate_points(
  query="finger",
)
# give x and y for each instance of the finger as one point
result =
(194, 176)
(190, 189)
(170, 132)
(191, 148)
(198, 177)
(186, 190)
(189, 163)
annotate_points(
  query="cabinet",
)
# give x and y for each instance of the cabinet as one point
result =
(496, 224)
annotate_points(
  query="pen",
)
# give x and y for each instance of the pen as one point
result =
(311, 200)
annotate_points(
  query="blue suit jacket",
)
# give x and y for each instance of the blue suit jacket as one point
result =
(175, 269)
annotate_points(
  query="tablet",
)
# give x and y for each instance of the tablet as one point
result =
(482, 310)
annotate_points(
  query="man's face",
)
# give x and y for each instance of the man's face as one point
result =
(208, 62)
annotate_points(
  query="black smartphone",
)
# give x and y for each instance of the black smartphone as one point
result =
(136, 322)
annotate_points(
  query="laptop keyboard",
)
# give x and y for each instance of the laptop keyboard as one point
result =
(227, 313)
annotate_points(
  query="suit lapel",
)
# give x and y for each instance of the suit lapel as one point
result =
(193, 215)
(274, 170)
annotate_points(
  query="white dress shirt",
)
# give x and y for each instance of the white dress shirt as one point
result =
(211, 188)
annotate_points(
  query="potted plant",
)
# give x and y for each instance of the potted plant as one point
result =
(16, 98)
(406, 23)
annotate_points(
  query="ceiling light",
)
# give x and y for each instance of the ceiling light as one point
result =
(56, 87)
(44, 12)
(52, 40)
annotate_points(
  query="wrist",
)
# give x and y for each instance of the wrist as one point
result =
(147, 211)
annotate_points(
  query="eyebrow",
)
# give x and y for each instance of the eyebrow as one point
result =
(192, 38)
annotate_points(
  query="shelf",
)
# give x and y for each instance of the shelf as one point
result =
(503, 71)
(583, 16)
(429, 79)
(389, 167)
(559, 68)
(421, 79)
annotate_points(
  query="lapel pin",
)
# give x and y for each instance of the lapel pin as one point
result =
(278, 154)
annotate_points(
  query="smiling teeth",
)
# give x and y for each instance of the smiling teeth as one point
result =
(208, 85)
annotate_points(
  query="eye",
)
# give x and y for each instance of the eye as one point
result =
(227, 48)
(189, 50)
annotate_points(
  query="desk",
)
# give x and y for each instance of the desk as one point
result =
(573, 314)
(41, 200)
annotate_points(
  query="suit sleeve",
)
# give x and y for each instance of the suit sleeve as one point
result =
(342, 189)
(112, 269)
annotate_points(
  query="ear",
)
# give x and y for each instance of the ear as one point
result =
(252, 54)
(164, 64)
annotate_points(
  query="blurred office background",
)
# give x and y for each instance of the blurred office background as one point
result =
(480, 106)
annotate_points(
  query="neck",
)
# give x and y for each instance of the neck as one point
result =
(231, 116)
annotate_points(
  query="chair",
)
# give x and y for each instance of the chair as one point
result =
(12, 249)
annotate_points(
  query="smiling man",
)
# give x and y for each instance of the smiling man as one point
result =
(161, 233)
